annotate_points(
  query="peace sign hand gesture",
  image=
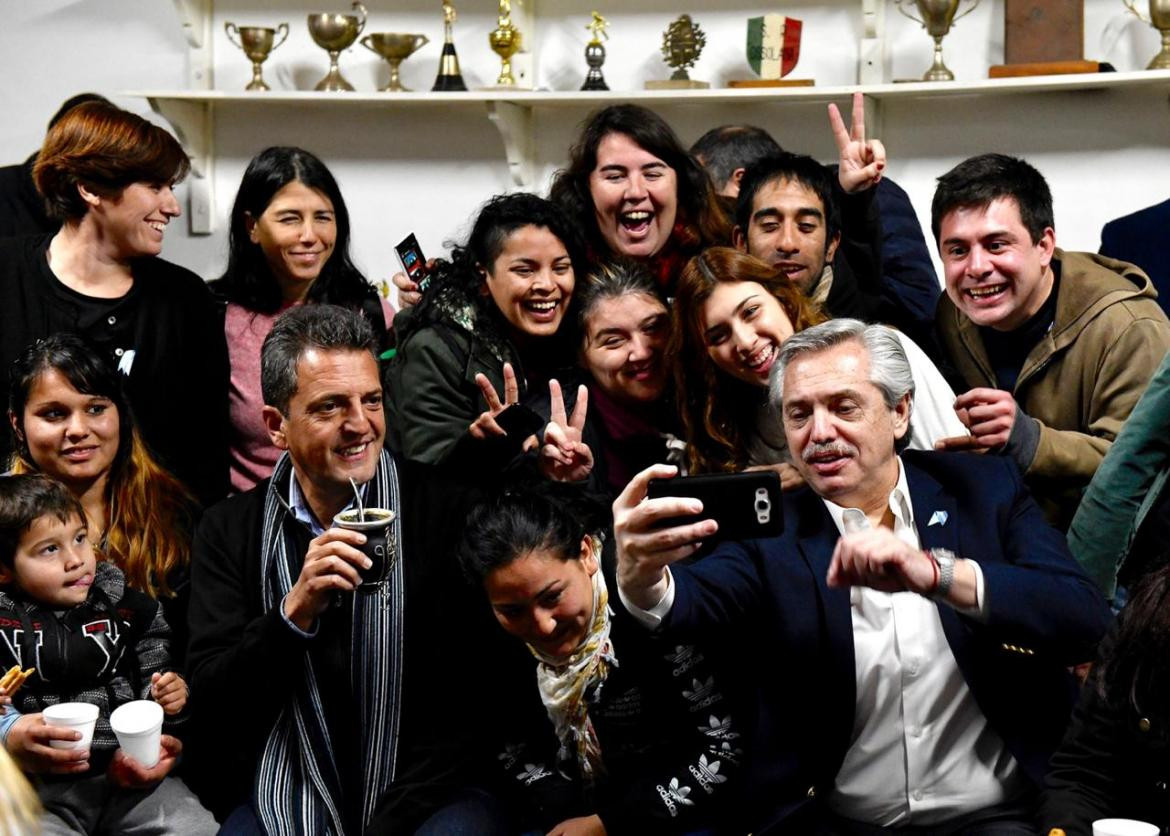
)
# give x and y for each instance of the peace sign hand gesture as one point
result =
(563, 456)
(485, 425)
(862, 161)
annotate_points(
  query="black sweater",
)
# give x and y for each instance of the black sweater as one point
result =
(178, 381)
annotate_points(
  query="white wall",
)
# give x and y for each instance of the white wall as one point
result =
(426, 168)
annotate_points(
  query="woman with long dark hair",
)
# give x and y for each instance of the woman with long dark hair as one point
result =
(619, 731)
(109, 176)
(733, 314)
(495, 326)
(288, 244)
(72, 422)
(637, 193)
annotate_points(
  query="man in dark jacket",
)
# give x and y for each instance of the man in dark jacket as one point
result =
(322, 703)
(913, 622)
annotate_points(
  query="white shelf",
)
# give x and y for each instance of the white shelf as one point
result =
(542, 98)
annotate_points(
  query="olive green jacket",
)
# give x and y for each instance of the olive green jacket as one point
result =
(1082, 380)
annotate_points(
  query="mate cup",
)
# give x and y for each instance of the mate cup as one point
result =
(335, 32)
(395, 47)
(1160, 20)
(505, 42)
(937, 18)
(595, 54)
(256, 42)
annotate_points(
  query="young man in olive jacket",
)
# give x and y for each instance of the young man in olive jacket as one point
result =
(1053, 347)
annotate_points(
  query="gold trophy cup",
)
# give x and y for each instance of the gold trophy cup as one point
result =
(335, 32)
(937, 17)
(395, 47)
(256, 42)
(505, 42)
(1160, 20)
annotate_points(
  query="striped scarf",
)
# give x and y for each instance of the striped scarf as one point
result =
(298, 786)
(567, 685)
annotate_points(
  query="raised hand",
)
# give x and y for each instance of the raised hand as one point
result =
(331, 565)
(169, 690)
(862, 161)
(644, 548)
(564, 457)
(485, 425)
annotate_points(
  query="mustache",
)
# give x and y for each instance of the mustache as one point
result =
(836, 448)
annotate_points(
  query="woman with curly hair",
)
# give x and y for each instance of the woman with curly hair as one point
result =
(634, 189)
(493, 329)
(72, 422)
(733, 313)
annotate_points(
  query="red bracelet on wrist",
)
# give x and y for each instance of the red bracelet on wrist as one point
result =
(934, 566)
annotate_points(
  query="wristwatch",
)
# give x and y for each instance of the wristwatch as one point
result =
(944, 559)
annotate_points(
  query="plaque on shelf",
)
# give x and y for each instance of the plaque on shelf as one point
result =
(682, 43)
(1036, 31)
(773, 48)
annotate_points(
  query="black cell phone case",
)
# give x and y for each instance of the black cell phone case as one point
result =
(746, 505)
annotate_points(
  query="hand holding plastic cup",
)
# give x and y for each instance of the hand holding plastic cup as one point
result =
(138, 725)
(79, 716)
(379, 547)
(1124, 827)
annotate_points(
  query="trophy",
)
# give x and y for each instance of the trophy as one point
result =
(1160, 20)
(595, 54)
(937, 17)
(682, 42)
(256, 42)
(395, 48)
(449, 77)
(505, 42)
(335, 32)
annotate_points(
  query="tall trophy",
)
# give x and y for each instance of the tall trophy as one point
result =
(505, 42)
(256, 42)
(937, 18)
(449, 77)
(682, 43)
(395, 47)
(1160, 20)
(595, 54)
(335, 32)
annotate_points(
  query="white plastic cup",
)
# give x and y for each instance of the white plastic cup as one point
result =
(79, 716)
(138, 726)
(1124, 827)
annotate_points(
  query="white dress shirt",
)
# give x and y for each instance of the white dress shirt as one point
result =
(921, 750)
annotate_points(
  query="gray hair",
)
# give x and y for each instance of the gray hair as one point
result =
(889, 370)
(612, 280)
(307, 327)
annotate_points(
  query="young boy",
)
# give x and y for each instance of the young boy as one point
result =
(90, 640)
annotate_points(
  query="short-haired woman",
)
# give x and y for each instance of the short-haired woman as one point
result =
(108, 175)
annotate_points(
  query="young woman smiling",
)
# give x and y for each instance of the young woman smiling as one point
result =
(733, 313)
(288, 244)
(623, 731)
(71, 421)
(493, 321)
(637, 193)
(108, 176)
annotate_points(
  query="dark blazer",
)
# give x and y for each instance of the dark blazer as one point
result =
(1043, 614)
(1140, 238)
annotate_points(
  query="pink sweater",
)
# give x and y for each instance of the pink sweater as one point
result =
(252, 453)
